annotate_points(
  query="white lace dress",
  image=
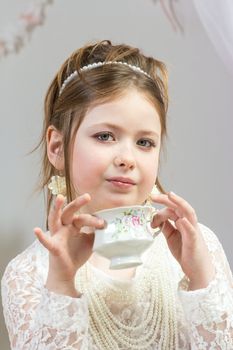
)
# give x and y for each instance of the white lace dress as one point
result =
(39, 319)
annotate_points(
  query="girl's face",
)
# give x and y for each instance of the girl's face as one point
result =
(116, 152)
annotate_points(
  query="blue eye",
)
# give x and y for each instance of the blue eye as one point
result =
(104, 136)
(146, 143)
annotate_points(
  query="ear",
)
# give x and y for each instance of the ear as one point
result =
(55, 153)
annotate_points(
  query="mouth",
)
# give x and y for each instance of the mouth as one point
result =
(122, 182)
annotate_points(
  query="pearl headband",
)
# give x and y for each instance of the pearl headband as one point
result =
(99, 64)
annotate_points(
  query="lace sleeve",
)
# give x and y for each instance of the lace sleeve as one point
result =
(209, 311)
(37, 319)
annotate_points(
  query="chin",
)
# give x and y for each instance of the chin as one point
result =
(120, 203)
(113, 201)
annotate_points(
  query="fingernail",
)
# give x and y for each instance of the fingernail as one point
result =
(86, 196)
(172, 193)
(60, 196)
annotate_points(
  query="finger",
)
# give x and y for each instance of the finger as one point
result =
(54, 221)
(45, 240)
(163, 215)
(87, 220)
(168, 229)
(188, 232)
(187, 210)
(181, 207)
(73, 207)
(163, 199)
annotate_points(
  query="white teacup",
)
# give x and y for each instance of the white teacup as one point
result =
(126, 236)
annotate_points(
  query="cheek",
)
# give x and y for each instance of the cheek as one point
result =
(150, 165)
(87, 169)
(150, 174)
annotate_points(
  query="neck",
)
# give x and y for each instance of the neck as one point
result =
(103, 264)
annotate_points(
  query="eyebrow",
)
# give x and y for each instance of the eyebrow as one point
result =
(119, 128)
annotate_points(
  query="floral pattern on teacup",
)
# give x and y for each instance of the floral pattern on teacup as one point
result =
(135, 218)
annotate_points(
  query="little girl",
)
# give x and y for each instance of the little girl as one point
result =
(104, 129)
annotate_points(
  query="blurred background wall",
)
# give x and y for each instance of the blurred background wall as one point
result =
(198, 164)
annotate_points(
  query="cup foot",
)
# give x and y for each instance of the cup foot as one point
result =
(124, 262)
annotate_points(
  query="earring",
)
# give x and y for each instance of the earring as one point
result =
(155, 190)
(57, 185)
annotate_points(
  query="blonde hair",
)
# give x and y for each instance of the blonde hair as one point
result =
(108, 82)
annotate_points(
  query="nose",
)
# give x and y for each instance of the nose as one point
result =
(125, 159)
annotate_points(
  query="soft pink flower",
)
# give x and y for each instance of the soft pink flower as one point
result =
(136, 220)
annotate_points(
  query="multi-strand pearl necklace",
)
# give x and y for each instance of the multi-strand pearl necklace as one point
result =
(153, 286)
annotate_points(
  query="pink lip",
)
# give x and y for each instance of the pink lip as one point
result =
(122, 180)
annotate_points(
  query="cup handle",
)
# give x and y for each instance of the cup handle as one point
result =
(156, 230)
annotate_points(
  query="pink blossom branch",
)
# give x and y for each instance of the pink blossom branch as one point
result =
(14, 37)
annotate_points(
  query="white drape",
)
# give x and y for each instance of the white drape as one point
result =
(217, 19)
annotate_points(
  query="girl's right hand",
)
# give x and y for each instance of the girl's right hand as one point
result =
(68, 247)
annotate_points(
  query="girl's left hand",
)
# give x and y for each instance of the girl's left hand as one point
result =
(184, 239)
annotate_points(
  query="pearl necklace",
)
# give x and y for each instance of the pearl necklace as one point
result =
(153, 287)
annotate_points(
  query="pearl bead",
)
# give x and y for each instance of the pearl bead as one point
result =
(99, 64)
(153, 286)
